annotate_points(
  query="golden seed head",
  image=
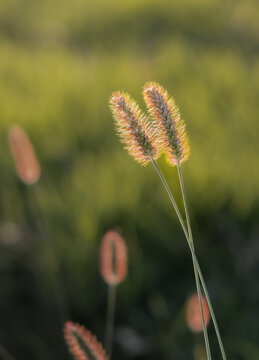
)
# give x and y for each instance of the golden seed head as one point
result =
(134, 128)
(113, 256)
(26, 163)
(171, 128)
(82, 344)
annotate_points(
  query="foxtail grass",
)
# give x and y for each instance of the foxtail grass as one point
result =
(82, 344)
(113, 266)
(28, 171)
(168, 137)
(26, 163)
(175, 145)
(134, 128)
(170, 127)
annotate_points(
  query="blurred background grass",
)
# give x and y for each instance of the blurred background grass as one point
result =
(59, 63)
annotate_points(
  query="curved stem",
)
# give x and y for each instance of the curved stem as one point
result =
(109, 319)
(195, 259)
(206, 339)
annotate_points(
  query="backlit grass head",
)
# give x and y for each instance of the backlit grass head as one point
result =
(170, 126)
(134, 128)
(82, 344)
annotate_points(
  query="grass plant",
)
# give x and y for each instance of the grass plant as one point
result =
(163, 133)
(146, 138)
(29, 171)
(82, 344)
(113, 256)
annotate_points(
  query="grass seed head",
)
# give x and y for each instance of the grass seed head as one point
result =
(82, 344)
(171, 128)
(134, 128)
(26, 163)
(113, 256)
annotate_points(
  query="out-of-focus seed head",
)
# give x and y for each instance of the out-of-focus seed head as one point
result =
(171, 128)
(135, 130)
(26, 163)
(82, 344)
(193, 313)
(113, 258)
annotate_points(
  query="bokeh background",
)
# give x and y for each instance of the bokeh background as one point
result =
(59, 63)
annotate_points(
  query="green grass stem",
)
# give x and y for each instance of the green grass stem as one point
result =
(110, 319)
(205, 333)
(194, 258)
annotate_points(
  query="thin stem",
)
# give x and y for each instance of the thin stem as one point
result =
(110, 319)
(206, 339)
(195, 259)
(210, 306)
(171, 198)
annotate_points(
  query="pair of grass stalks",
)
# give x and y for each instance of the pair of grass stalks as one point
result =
(147, 137)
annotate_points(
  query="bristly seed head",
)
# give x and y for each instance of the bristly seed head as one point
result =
(113, 258)
(82, 344)
(134, 128)
(171, 128)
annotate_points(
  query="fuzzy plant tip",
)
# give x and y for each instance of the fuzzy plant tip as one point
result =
(134, 128)
(170, 126)
(193, 313)
(82, 344)
(26, 163)
(113, 258)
